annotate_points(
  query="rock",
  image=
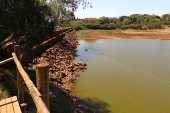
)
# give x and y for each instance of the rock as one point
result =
(61, 58)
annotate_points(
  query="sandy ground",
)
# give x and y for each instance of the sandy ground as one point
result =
(163, 34)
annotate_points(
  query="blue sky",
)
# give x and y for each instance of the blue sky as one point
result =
(116, 8)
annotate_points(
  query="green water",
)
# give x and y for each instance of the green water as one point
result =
(126, 76)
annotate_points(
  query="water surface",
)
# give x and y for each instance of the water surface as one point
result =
(126, 76)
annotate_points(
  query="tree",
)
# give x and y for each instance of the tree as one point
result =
(152, 21)
(166, 19)
(63, 8)
(28, 21)
(137, 19)
(115, 20)
(125, 20)
(104, 20)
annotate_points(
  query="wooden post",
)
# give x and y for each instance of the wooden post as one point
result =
(20, 83)
(42, 81)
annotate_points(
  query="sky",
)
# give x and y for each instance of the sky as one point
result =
(116, 8)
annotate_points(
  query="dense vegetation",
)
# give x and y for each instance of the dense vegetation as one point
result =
(135, 21)
(27, 22)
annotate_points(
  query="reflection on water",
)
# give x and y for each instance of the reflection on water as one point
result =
(94, 105)
(132, 76)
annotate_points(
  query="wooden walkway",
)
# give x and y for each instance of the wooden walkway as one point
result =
(10, 105)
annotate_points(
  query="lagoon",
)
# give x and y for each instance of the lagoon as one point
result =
(125, 75)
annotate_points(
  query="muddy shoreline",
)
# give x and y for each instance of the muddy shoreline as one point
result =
(162, 34)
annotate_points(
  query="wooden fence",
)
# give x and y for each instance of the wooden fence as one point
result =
(39, 94)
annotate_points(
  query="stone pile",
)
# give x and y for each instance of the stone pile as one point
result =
(64, 69)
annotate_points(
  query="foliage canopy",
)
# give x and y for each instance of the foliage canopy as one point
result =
(28, 21)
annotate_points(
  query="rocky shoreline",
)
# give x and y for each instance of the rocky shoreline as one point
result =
(64, 69)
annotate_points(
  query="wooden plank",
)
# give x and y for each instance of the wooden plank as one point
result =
(6, 61)
(3, 108)
(16, 106)
(35, 94)
(9, 106)
(2, 102)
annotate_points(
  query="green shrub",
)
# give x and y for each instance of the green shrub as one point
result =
(101, 26)
(104, 20)
(93, 26)
(166, 19)
(78, 26)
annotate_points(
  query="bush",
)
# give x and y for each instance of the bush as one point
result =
(108, 26)
(166, 19)
(93, 26)
(103, 20)
(101, 26)
(131, 26)
(78, 26)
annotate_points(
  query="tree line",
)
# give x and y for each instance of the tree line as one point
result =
(135, 21)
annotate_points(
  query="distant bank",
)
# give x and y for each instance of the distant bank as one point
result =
(163, 34)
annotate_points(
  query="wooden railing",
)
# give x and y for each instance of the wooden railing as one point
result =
(6, 61)
(39, 94)
(35, 94)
